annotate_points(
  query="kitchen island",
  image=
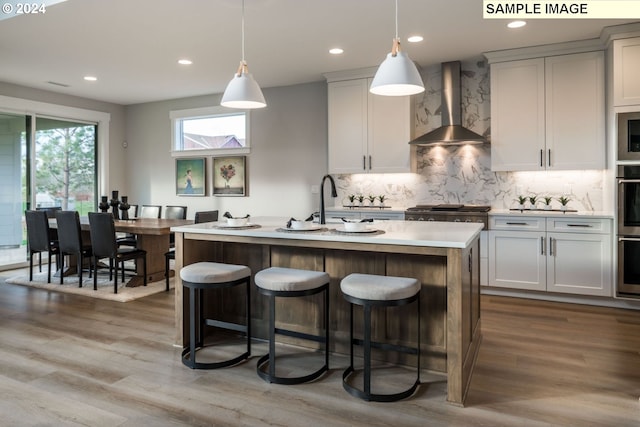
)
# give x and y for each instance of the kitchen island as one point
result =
(443, 256)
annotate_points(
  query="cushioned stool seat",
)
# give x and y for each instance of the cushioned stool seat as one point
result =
(208, 276)
(378, 291)
(288, 282)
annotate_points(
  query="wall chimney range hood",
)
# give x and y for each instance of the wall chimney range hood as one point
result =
(451, 132)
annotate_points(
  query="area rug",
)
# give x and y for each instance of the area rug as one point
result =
(105, 286)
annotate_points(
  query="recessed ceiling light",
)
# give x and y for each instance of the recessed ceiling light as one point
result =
(415, 39)
(516, 24)
(185, 62)
(90, 78)
(336, 51)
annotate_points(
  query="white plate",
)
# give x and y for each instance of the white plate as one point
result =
(312, 228)
(247, 225)
(341, 229)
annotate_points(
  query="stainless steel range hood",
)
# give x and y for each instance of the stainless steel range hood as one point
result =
(451, 132)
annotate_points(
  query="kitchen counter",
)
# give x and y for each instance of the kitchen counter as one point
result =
(552, 213)
(413, 233)
(444, 256)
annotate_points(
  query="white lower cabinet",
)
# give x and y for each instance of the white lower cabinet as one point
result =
(567, 255)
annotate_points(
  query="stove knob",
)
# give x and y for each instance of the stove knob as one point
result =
(431, 219)
(456, 220)
(421, 219)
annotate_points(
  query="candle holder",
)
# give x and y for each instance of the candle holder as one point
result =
(114, 204)
(124, 207)
(104, 204)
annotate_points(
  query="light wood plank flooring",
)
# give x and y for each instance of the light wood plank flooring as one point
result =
(68, 360)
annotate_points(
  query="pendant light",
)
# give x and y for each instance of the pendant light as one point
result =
(243, 91)
(397, 75)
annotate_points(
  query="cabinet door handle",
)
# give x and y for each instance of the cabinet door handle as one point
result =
(549, 157)
(471, 260)
(542, 242)
(628, 239)
(369, 162)
(364, 163)
(628, 181)
(551, 242)
(541, 160)
(580, 225)
(516, 223)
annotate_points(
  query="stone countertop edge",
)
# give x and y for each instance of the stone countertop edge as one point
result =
(396, 232)
(554, 214)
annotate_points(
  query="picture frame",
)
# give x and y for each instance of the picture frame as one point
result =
(191, 176)
(230, 176)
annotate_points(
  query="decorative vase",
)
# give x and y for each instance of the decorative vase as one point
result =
(520, 206)
(547, 207)
(563, 207)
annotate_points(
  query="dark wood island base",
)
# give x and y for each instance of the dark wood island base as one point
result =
(450, 297)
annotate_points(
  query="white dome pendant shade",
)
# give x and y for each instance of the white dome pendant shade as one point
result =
(397, 75)
(243, 91)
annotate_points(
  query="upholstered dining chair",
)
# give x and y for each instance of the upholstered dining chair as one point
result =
(201, 216)
(103, 241)
(150, 211)
(175, 212)
(71, 242)
(40, 240)
(144, 211)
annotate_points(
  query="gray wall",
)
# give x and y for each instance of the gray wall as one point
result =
(288, 154)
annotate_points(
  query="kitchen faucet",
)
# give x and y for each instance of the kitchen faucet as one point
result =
(334, 193)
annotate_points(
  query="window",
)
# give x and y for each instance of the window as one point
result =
(212, 130)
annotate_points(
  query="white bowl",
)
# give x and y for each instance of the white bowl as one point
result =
(355, 226)
(301, 225)
(237, 222)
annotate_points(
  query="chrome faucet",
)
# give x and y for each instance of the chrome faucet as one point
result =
(334, 193)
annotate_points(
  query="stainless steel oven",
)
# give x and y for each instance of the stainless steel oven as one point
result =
(629, 200)
(628, 230)
(629, 136)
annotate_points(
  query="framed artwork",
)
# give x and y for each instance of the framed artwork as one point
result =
(229, 176)
(191, 176)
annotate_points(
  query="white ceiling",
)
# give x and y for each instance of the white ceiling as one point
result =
(132, 46)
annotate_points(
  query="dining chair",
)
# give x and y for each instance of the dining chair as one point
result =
(175, 212)
(103, 241)
(202, 216)
(144, 211)
(40, 240)
(71, 242)
(50, 211)
(150, 211)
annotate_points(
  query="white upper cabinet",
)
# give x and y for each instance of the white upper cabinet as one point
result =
(517, 115)
(548, 113)
(626, 63)
(367, 133)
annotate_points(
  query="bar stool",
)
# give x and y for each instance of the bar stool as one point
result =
(378, 291)
(203, 276)
(286, 283)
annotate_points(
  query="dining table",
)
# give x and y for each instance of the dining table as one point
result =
(152, 235)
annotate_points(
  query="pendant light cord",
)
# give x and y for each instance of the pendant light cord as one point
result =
(242, 68)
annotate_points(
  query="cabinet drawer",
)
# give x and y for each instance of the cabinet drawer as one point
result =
(579, 225)
(519, 223)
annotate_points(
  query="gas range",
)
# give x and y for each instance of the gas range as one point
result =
(449, 213)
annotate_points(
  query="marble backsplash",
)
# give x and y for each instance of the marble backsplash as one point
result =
(462, 174)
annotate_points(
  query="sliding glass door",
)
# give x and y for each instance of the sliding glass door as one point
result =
(44, 163)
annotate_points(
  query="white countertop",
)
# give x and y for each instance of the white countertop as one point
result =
(556, 214)
(389, 232)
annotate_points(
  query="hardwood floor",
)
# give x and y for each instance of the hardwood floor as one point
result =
(68, 360)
